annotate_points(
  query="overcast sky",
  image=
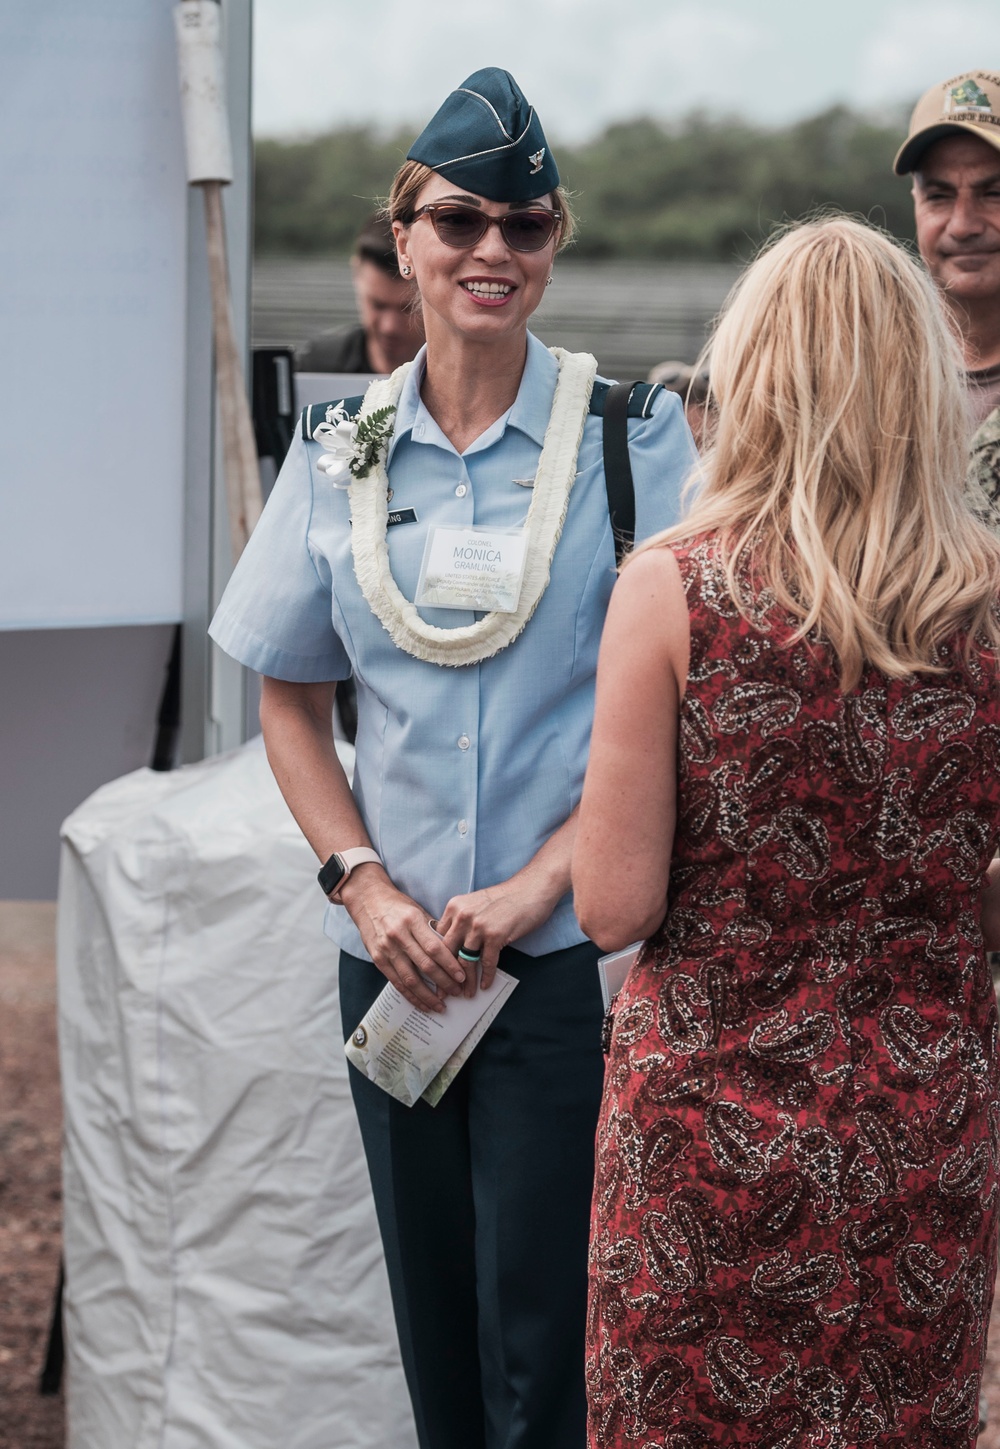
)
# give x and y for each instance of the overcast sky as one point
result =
(582, 63)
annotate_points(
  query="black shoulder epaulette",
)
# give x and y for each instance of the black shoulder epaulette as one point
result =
(640, 403)
(315, 413)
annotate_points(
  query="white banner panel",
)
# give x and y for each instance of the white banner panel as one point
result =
(93, 199)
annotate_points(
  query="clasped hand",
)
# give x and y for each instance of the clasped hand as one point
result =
(411, 950)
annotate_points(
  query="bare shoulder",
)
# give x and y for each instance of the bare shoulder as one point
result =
(657, 565)
(651, 584)
(649, 611)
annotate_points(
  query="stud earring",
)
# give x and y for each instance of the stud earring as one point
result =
(405, 270)
(548, 280)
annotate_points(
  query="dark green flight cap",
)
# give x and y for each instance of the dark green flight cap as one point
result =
(487, 139)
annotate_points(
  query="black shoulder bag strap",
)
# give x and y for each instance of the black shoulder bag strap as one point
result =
(618, 468)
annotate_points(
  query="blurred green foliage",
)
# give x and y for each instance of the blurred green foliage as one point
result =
(314, 195)
(700, 188)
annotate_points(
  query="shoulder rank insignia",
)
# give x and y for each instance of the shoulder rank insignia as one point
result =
(640, 402)
(316, 413)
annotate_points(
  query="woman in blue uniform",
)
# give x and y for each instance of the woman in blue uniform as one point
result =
(452, 854)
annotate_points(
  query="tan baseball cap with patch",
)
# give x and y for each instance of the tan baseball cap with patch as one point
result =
(969, 102)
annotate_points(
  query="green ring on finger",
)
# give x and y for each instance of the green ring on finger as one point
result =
(472, 956)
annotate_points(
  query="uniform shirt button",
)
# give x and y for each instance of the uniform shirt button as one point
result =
(463, 827)
(461, 490)
(464, 742)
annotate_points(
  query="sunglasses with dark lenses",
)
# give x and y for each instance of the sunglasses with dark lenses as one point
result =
(463, 226)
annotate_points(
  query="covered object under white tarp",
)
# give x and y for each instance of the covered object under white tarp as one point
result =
(225, 1283)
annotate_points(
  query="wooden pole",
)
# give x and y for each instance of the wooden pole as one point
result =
(239, 449)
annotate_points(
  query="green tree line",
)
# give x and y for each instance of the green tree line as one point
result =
(699, 188)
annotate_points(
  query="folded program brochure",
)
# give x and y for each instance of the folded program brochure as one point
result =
(411, 1053)
(613, 970)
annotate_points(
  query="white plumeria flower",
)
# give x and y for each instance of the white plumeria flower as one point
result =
(337, 435)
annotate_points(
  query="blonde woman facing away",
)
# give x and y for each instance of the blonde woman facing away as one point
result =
(794, 795)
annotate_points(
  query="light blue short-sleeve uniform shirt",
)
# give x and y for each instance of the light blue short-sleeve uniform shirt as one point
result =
(461, 773)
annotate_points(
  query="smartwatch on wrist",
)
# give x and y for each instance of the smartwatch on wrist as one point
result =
(337, 869)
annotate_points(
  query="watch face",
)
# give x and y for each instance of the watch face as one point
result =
(331, 874)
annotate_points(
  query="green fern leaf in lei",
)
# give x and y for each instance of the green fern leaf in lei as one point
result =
(372, 436)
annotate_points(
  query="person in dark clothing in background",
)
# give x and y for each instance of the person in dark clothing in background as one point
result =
(390, 331)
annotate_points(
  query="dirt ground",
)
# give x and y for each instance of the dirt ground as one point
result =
(990, 1437)
(30, 1205)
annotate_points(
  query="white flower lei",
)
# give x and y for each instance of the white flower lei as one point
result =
(369, 501)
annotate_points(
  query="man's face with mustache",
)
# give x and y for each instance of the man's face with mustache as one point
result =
(956, 195)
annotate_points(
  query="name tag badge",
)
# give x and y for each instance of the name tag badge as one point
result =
(473, 568)
(401, 515)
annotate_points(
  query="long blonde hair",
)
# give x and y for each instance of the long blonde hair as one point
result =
(836, 468)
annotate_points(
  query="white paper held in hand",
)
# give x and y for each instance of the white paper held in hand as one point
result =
(411, 1053)
(614, 968)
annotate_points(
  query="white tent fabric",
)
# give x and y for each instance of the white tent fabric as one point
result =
(225, 1283)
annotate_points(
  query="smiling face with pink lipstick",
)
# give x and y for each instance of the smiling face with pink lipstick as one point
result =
(488, 289)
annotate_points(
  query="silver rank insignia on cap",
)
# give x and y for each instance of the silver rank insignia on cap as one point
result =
(536, 162)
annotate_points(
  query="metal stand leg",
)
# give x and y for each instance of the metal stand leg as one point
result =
(51, 1380)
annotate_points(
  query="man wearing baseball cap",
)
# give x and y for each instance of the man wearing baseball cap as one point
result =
(953, 152)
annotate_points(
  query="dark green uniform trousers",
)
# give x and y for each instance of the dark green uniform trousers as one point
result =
(484, 1204)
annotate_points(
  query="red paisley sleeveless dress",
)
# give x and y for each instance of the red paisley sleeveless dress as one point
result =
(795, 1214)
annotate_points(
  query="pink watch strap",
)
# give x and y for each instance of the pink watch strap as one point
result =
(357, 855)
